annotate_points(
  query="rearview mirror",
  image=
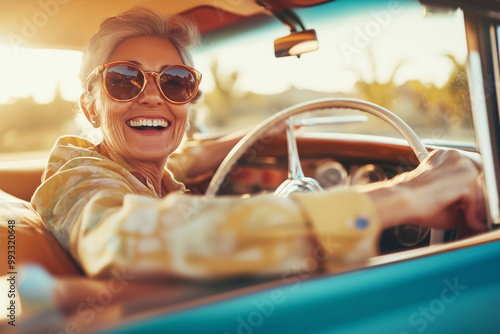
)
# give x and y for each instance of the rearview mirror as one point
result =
(295, 44)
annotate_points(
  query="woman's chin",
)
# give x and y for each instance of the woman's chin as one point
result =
(151, 147)
(152, 154)
(148, 150)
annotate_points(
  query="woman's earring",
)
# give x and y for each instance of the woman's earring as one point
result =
(188, 126)
(95, 123)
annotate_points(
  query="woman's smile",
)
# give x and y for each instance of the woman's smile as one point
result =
(154, 125)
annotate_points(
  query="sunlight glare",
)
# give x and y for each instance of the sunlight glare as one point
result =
(39, 73)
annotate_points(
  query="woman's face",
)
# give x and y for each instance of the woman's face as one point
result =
(150, 144)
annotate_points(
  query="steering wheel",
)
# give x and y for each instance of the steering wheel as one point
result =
(297, 181)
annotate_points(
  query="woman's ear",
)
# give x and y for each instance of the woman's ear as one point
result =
(89, 112)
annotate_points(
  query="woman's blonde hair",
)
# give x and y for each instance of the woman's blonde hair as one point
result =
(136, 22)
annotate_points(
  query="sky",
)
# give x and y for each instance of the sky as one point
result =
(339, 63)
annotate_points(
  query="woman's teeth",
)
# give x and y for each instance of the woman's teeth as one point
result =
(143, 124)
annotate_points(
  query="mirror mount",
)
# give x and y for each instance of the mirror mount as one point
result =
(300, 40)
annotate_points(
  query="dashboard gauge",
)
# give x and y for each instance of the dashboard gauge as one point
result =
(367, 174)
(331, 174)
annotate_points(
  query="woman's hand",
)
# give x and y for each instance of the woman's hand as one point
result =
(444, 191)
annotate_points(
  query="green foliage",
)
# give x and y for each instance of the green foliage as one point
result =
(433, 112)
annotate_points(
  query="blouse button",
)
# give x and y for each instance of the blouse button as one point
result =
(361, 223)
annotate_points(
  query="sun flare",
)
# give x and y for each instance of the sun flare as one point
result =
(39, 73)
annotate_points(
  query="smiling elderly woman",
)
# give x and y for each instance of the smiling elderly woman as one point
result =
(115, 205)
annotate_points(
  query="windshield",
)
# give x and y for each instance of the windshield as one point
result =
(398, 54)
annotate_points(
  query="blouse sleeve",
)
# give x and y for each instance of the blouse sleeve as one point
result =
(105, 224)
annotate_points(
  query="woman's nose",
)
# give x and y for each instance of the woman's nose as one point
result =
(151, 94)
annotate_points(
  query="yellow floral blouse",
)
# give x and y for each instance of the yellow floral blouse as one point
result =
(107, 219)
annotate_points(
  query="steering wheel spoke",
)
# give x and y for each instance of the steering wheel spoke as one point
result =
(296, 181)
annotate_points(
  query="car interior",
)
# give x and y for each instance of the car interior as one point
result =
(376, 128)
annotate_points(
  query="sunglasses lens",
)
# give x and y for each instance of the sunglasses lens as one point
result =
(178, 84)
(123, 82)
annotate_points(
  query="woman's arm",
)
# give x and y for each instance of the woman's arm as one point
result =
(446, 189)
(109, 221)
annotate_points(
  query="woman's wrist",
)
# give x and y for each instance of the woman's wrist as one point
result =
(393, 203)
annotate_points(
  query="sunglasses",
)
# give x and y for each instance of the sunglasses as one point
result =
(124, 81)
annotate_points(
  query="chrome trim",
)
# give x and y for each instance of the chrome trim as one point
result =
(329, 120)
(297, 181)
(483, 134)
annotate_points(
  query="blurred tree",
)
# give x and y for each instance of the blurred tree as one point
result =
(434, 112)
(375, 91)
(29, 126)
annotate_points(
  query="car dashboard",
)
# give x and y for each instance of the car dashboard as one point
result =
(335, 160)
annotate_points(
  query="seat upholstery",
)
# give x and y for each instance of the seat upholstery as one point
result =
(33, 242)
